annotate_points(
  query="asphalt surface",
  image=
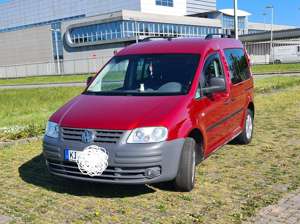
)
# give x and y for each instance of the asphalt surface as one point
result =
(82, 84)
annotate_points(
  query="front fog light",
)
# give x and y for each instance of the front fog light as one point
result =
(152, 172)
(148, 135)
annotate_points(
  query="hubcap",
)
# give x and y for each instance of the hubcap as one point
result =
(194, 165)
(249, 126)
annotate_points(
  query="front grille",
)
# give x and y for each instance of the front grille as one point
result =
(102, 136)
(111, 173)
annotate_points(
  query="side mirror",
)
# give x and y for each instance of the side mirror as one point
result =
(89, 80)
(216, 85)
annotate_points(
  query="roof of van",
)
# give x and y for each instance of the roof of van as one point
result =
(180, 46)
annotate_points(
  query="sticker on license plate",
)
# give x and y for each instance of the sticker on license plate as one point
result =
(71, 155)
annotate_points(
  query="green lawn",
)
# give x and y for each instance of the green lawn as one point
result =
(274, 83)
(45, 79)
(258, 69)
(232, 184)
(82, 78)
(24, 112)
(113, 76)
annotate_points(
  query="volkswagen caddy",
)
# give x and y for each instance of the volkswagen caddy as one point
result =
(153, 112)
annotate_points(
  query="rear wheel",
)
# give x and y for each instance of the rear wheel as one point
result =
(246, 136)
(185, 179)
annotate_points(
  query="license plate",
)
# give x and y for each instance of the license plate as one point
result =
(71, 155)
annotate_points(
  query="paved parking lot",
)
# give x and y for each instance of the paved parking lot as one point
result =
(4, 219)
(287, 211)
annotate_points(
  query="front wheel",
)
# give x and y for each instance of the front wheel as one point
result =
(185, 179)
(246, 136)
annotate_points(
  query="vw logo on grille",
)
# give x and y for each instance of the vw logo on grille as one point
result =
(87, 136)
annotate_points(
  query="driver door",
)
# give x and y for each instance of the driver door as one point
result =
(213, 106)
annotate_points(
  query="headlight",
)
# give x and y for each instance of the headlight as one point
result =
(148, 135)
(52, 130)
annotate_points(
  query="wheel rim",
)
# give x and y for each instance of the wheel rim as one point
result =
(194, 165)
(249, 126)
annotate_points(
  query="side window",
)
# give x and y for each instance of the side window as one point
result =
(212, 69)
(238, 65)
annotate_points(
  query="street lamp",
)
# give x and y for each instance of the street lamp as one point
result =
(272, 23)
(236, 28)
(56, 48)
(264, 15)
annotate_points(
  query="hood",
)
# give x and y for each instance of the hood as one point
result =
(116, 112)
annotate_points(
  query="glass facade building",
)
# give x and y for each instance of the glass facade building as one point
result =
(21, 13)
(78, 29)
(57, 40)
(228, 23)
(127, 29)
(169, 3)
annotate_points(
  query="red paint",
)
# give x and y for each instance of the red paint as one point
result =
(180, 114)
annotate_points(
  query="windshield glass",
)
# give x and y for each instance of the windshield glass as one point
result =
(164, 74)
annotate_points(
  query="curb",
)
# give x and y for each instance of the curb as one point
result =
(40, 84)
(44, 85)
(19, 141)
(278, 73)
(4, 219)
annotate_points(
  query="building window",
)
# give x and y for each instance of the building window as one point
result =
(165, 2)
(57, 42)
(255, 31)
(130, 29)
(228, 22)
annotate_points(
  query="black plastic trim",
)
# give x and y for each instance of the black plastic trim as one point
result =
(216, 124)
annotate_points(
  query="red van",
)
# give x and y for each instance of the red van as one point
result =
(154, 111)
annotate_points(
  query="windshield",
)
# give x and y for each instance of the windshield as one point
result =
(164, 74)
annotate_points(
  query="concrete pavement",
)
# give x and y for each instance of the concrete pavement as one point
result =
(4, 219)
(287, 211)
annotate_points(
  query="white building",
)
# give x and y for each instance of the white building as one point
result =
(83, 34)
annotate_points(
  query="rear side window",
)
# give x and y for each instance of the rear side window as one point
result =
(238, 65)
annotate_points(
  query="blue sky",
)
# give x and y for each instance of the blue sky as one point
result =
(285, 11)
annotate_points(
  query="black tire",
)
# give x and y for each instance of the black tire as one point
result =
(185, 179)
(246, 136)
(277, 61)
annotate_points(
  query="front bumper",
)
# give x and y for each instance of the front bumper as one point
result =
(127, 164)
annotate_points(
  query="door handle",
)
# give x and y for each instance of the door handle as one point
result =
(230, 100)
(227, 101)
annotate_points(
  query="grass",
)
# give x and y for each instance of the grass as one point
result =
(232, 185)
(113, 76)
(269, 68)
(256, 69)
(265, 85)
(45, 79)
(24, 112)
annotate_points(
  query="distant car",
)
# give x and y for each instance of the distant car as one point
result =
(153, 113)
